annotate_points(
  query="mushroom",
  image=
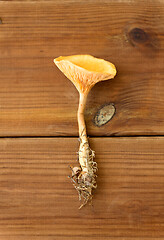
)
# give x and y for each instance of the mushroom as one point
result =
(84, 71)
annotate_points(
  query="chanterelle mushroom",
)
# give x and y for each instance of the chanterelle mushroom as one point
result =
(85, 71)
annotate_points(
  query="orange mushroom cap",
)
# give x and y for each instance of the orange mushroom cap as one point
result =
(85, 70)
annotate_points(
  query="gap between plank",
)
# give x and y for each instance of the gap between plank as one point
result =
(124, 136)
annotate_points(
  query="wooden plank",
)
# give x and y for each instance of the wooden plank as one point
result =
(39, 202)
(36, 99)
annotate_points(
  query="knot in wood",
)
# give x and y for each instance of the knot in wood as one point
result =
(104, 115)
(138, 35)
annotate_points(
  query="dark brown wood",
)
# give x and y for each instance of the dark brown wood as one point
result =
(39, 202)
(36, 99)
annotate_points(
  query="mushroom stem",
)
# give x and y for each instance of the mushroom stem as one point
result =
(84, 178)
(84, 145)
(80, 116)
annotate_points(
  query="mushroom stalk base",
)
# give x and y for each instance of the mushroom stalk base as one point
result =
(83, 177)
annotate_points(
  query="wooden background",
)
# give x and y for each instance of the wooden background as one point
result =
(38, 127)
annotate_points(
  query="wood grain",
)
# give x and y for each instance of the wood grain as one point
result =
(37, 100)
(39, 202)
